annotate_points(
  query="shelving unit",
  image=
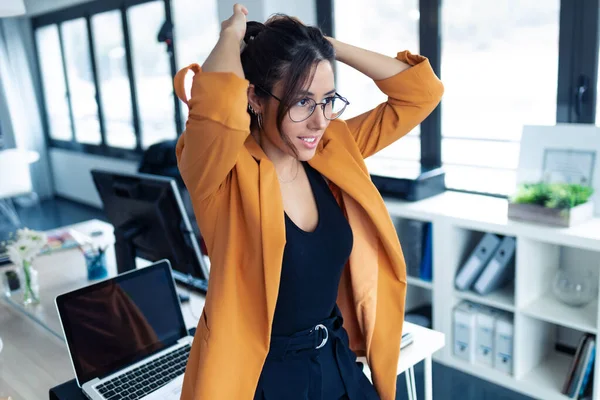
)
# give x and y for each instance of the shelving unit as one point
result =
(503, 298)
(548, 308)
(459, 220)
(419, 282)
(549, 375)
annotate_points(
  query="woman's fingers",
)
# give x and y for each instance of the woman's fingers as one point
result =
(237, 21)
(240, 8)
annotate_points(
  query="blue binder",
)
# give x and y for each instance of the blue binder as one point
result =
(427, 260)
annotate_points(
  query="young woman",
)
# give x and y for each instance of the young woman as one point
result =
(297, 234)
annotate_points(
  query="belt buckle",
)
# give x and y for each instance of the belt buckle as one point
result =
(321, 326)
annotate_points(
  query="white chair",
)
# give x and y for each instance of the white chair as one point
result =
(15, 180)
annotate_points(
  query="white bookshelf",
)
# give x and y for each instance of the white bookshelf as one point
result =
(419, 282)
(548, 376)
(459, 220)
(548, 308)
(503, 299)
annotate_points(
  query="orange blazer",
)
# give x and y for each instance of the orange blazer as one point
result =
(239, 209)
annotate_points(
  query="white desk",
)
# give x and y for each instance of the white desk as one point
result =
(426, 342)
(35, 358)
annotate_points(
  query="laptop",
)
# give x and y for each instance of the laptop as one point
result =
(126, 335)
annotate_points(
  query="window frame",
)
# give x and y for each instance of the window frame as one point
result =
(86, 11)
(579, 44)
(579, 39)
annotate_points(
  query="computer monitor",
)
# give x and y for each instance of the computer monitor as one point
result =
(150, 222)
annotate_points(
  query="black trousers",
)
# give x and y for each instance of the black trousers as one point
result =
(315, 364)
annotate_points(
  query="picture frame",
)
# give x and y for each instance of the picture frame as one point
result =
(561, 153)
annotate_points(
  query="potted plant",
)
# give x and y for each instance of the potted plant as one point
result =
(558, 204)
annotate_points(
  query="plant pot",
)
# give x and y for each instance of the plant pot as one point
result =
(563, 217)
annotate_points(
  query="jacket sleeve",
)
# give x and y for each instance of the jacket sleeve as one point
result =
(412, 95)
(217, 126)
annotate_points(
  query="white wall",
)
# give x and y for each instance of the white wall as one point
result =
(36, 7)
(260, 10)
(304, 10)
(8, 136)
(255, 8)
(19, 99)
(72, 174)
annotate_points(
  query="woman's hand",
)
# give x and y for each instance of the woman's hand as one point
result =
(333, 43)
(236, 24)
(225, 57)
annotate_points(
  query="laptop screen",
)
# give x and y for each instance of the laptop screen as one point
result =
(114, 323)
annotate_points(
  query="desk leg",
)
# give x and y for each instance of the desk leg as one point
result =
(414, 385)
(428, 379)
(409, 384)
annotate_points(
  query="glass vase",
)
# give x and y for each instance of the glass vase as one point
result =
(575, 286)
(31, 288)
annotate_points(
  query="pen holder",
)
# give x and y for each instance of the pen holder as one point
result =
(95, 261)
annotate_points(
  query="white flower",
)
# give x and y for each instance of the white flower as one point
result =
(26, 245)
(14, 255)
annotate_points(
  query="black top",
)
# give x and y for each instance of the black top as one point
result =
(312, 263)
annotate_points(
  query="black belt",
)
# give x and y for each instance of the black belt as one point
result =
(308, 344)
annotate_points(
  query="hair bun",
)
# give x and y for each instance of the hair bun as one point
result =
(253, 29)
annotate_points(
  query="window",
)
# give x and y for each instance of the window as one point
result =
(81, 82)
(386, 27)
(193, 44)
(53, 81)
(503, 65)
(108, 81)
(500, 71)
(153, 78)
(115, 91)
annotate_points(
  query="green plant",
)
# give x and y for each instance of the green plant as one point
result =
(552, 195)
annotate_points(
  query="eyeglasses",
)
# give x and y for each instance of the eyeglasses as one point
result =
(332, 107)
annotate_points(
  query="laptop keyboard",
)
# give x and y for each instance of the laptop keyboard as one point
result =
(147, 378)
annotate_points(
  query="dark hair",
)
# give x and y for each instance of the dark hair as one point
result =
(283, 50)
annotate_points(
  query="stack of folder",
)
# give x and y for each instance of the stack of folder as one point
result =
(489, 266)
(483, 335)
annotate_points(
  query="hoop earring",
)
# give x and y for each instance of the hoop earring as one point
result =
(251, 109)
(260, 121)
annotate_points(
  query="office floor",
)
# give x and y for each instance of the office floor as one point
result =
(49, 214)
(448, 383)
